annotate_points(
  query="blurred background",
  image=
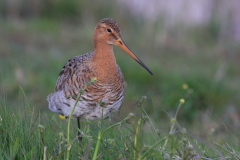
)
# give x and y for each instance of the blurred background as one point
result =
(192, 47)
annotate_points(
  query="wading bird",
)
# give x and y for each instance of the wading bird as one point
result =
(101, 64)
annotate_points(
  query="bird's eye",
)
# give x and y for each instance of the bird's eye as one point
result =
(109, 30)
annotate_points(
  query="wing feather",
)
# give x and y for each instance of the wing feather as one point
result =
(77, 72)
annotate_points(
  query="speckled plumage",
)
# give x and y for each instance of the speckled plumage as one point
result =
(73, 77)
(101, 64)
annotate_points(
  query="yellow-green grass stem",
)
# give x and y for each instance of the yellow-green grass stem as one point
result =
(157, 143)
(100, 135)
(173, 120)
(136, 137)
(69, 122)
(136, 145)
(70, 117)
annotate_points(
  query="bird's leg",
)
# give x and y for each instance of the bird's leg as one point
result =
(79, 133)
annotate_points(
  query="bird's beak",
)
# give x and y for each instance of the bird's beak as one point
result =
(119, 42)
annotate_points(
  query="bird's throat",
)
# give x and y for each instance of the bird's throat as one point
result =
(105, 62)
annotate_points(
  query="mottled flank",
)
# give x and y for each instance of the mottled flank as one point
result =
(75, 67)
(110, 22)
(73, 77)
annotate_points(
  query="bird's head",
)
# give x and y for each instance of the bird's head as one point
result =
(108, 32)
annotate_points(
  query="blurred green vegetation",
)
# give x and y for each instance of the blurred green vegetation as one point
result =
(35, 45)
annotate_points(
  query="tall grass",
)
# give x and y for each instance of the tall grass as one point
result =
(30, 134)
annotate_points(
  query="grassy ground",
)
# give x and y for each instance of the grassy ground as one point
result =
(193, 64)
(27, 133)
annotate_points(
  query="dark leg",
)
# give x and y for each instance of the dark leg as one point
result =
(79, 133)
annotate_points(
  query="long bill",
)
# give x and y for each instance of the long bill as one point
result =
(119, 42)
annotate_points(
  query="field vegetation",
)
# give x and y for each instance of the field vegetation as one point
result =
(193, 64)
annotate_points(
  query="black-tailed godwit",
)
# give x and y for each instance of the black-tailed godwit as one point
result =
(101, 64)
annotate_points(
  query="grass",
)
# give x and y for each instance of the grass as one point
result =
(33, 51)
(30, 134)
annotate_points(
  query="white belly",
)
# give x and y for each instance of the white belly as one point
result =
(60, 104)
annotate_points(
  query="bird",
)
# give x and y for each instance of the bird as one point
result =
(79, 70)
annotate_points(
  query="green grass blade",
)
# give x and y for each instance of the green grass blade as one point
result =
(14, 149)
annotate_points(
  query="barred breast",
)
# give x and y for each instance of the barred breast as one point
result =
(73, 77)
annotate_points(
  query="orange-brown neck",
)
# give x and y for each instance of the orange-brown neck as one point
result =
(104, 60)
